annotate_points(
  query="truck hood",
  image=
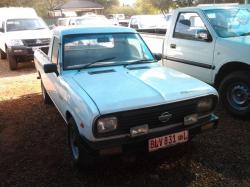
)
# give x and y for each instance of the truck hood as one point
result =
(229, 48)
(241, 40)
(29, 34)
(123, 89)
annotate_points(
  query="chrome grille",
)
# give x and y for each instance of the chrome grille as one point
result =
(36, 42)
(150, 116)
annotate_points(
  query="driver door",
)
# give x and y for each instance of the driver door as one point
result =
(187, 53)
(56, 90)
(2, 39)
(134, 23)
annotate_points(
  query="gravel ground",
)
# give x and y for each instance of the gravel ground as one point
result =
(34, 152)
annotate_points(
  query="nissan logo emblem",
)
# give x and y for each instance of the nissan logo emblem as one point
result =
(164, 117)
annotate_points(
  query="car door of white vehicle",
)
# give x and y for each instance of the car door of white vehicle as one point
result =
(134, 23)
(2, 39)
(190, 47)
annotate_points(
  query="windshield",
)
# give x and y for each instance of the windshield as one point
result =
(104, 50)
(230, 22)
(24, 24)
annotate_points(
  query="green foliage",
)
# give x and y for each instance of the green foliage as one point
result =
(41, 6)
(146, 7)
(112, 6)
(165, 5)
(162, 4)
(4, 3)
(107, 3)
(127, 10)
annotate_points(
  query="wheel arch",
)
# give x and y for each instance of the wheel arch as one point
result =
(229, 68)
(68, 116)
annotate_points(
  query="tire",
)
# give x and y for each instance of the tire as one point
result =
(46, 98)
(80, 157)
(235, 93)
(3, 54)
(12, 62)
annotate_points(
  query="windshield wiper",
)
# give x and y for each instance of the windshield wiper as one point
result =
(140, 62)
(101, 60)
(245, 34)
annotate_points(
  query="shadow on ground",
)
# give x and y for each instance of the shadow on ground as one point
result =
(24, 68)
(33, 151)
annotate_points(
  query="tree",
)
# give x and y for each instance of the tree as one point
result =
(145, 7)
(127, 10)
(162, 5)
(4, 3)
(107, 3)
(51, 4)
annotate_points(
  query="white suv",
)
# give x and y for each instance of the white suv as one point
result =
(212, 43)
(21, 31)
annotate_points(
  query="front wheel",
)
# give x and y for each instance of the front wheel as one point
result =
(46, 98)
(12, 62)
(235, 93)
(79, 155)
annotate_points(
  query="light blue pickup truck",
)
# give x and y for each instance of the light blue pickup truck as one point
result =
(115, 97)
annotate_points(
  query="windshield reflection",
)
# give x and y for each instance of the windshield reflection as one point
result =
(230, 22)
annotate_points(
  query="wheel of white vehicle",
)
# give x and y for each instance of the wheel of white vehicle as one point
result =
(235, 93)
(79, 155)
(12, 62)
(3, 54)
(46, 98)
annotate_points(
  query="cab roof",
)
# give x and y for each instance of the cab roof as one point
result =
(61, 31)
(212, 6)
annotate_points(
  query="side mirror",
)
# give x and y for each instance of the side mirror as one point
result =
(203, 35)
(158, 56)
(50, 68)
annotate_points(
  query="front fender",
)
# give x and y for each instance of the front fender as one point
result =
(82, 109)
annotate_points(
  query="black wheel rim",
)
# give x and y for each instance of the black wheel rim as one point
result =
(73, 143)
(238, 96)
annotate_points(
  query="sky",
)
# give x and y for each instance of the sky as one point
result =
(127, 2)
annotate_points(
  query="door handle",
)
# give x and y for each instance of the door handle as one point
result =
(173, 46)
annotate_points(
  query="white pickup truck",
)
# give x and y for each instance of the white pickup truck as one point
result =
(115, 97)
(211, 43)
(21, 31)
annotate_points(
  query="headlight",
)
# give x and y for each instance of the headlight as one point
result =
(105, 125)
(15, 43)
(205, 105)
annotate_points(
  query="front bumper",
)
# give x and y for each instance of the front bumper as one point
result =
(24, 52)
(140, 143)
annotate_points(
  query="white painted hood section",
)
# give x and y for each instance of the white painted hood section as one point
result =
(29, 34)
(127, 89)
(233, 49)
(241, 40)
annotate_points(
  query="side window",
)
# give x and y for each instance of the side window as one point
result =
(134, 23)
(55, 48)
(188, 26)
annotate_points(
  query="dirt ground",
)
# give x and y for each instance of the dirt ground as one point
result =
(34, 151)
